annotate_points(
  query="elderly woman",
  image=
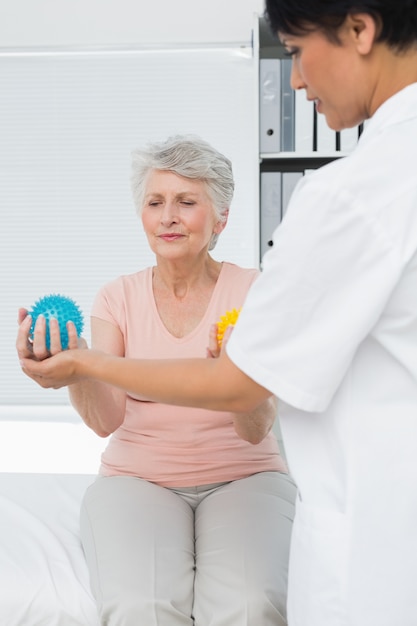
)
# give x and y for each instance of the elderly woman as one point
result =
(190, 519)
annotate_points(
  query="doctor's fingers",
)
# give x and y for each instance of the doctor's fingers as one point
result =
(42, 380)
(55, 372)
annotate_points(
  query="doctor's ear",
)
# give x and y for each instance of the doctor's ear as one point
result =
(364, 30)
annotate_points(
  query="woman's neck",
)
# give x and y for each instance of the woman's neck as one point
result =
(180, 279)
(182, 297)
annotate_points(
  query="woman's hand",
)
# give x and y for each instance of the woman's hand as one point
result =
(28, 348)
(214, 349)
(33, 353)
(254, 426)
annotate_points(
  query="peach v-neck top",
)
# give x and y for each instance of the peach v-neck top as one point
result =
(169, 445)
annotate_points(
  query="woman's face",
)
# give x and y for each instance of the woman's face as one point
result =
(178, 216)
(331, 74)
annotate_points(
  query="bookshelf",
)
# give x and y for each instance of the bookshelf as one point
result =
(293, 138)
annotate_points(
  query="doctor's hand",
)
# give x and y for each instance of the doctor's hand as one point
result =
(59, 370)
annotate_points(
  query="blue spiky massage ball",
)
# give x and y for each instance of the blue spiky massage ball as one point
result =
(63, 309)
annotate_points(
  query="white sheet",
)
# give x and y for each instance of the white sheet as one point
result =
(43, 574)
(45, 468)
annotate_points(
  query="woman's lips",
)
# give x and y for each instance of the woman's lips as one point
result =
(170, 236)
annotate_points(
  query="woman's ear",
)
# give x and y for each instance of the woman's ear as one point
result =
(220, 225)
(364, 30)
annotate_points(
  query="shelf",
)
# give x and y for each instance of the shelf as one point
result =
(268, 156)
(295, 162)
(293, 137)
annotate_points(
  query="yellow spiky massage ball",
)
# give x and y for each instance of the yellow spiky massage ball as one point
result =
(228, 319)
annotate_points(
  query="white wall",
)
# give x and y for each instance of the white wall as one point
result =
(30, 23)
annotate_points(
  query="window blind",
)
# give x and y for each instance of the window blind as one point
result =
(69, 120)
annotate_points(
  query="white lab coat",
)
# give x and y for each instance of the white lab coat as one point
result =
(330, 327)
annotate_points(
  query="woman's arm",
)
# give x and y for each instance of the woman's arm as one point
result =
(256, 424)
(101, 406)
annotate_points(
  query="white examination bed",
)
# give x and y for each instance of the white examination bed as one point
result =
(46, 464)
(45, 468)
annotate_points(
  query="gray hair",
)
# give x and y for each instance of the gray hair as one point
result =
(191, 157)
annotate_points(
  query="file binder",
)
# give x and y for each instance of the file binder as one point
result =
(269, 105)
(270, 208)
(287, 108)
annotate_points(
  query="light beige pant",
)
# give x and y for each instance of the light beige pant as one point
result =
(215, 555)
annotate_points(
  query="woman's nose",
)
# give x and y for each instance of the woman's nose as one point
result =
(169, 213)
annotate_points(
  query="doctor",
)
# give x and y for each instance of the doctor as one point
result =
(330, 327)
